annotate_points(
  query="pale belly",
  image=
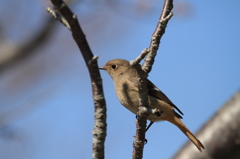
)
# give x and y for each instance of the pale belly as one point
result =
(130, 100)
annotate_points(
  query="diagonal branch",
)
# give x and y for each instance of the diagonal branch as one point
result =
(157, 35)
(150, 54)
(58, 17)
(27, 49)
(100, 126)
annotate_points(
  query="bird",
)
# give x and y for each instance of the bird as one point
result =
(125, 79)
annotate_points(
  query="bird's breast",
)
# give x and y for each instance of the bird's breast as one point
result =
(127, 96)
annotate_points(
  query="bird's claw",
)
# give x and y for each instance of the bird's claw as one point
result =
(157, 112)
(145, 141)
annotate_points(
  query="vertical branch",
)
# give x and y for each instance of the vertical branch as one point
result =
(143, 110)
(99, 132)
(157, 35)
(141, 122)
(150, 54)
(142, 113)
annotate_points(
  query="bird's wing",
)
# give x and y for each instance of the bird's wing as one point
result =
(157, 93)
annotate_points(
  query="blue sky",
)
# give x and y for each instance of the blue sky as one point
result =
(197, 67)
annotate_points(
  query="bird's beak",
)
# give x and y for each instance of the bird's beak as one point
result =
(102, 68)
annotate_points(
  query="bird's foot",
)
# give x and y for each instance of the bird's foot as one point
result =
(157, 112)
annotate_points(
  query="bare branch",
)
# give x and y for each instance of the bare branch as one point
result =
(144, 109)
(141, 121)
(100, 126)
(27, 49)
(58, 17)
(143, 112)
(157, 35)
(140, 57)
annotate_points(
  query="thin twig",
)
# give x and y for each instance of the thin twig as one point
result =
(140, 57)
(100, 126)
(58, 17)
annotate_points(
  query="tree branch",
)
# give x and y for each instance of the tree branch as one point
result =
(28, 48)
(150, 53)
(157, 35)
(143, 108)
(140, 57)
(100, 126)
(58, 17)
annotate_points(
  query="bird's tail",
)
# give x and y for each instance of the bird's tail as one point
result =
(176, 121)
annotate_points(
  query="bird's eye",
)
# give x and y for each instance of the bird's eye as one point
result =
(114, 66)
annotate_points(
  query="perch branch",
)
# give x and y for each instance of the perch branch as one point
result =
(150, 53)
(143, 108)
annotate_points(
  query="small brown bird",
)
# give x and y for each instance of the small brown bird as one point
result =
(125, 81)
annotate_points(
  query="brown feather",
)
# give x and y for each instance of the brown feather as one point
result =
(176, 121)
(157, 93)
